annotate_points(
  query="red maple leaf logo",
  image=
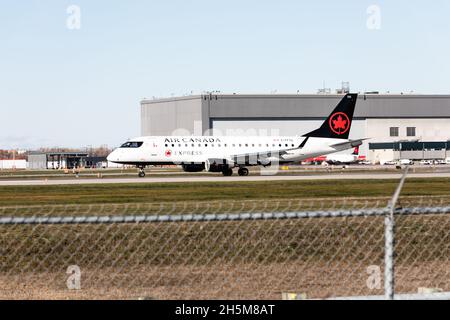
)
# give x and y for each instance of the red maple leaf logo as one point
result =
(339, 123)
(168, 153)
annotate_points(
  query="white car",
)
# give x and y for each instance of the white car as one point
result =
(439, 162)
(406, 162)
(426, 162)
(390, 163)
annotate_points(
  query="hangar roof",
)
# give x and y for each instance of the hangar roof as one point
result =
(236, 106)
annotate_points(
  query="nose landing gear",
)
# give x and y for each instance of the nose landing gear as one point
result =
(141, 173)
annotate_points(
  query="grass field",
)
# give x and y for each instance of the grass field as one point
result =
(141, 193)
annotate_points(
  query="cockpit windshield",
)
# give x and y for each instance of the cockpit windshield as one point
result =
(132, 144)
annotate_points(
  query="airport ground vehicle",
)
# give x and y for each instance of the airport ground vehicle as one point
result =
(406, 162)
(439, 162)
(426, 162)
(390, 163)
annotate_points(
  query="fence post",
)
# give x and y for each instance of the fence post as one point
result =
(389, 238)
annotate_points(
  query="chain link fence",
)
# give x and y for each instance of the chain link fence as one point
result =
(236, 250)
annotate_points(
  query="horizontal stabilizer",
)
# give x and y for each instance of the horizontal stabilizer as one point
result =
(348, 144)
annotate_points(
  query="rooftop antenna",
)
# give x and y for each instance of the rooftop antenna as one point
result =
(324, 90)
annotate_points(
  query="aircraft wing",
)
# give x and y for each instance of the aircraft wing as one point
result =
(265, 154)
(256, 158)
(268, 154)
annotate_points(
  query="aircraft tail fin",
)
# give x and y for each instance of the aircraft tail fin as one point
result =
(338, 124)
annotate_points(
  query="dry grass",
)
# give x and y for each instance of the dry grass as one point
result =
(324, 257)
(230, 260)
(316, 280)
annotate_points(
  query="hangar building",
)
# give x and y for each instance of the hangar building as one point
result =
(399, 126)
(38, 160)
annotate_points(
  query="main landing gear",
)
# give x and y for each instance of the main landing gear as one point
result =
(141, 172)
(228, 172)
(243, 172)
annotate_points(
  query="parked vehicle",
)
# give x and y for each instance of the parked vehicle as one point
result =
(447, 161)
(390, 163)
(439, 162)
(406, 162)
(426, 162)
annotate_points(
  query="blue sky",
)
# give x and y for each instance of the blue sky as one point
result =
(74, 88)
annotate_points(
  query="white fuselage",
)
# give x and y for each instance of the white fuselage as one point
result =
(342, 158)
(200, 149)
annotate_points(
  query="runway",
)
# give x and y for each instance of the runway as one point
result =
(252, 178)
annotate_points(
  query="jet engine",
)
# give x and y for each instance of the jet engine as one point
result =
(193, 167)
(217, 165)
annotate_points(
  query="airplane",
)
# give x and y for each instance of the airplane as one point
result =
(223, 154)
(337, 159)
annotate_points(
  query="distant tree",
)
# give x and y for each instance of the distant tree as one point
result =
(12, 154)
